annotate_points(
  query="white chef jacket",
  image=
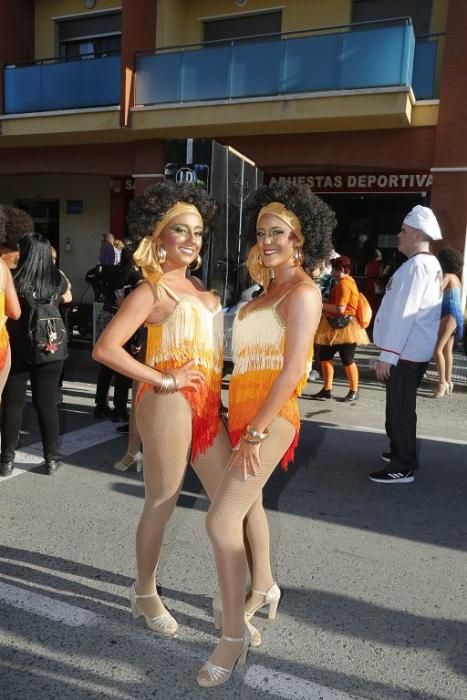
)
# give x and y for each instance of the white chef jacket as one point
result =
(407, 323)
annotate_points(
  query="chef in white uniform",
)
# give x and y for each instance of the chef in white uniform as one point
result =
(405, 330)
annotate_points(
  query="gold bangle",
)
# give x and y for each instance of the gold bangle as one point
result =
(256, 434)
(168, 385)
(173, 379)
(250, 442)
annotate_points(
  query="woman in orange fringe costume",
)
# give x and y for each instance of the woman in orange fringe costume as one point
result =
(178, 402)
(272, 347)
(9, 308)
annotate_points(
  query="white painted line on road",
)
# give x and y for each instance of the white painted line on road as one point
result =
(69, 443)
(84, 685)
(84, 438)
(290, 687)
(380, 431)
(281, 685)
(70, 615)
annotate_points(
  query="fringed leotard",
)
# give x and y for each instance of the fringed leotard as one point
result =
(452, 306)
(4, 340)
(258, 346)
(192, 331)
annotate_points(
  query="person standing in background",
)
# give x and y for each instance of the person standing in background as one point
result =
(14, 223)
(9, 308)
(107, 253)
(119, 246)
(374, 287)
(452, 318)
(339, 331)
(405, 330)
(37, 282)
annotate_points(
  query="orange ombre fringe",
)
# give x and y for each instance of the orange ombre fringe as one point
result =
(191, 333)
(247, 392)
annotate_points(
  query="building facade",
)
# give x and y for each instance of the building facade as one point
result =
(365, 100)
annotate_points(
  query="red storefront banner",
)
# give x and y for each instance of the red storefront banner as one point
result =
(359, 183)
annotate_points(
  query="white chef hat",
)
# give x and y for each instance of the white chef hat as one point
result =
(424, 219)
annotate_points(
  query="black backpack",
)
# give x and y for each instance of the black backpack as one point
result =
(47, 335)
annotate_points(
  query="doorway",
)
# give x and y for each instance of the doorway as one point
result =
(45, 214)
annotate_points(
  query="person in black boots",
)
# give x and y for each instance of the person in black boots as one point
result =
(38, 349)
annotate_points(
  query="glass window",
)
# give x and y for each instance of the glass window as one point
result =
(418, 10)
(90, 36)
(243, 26)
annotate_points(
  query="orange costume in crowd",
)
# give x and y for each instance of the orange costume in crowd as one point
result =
(258, 351)
(344, 293)
(191, 332)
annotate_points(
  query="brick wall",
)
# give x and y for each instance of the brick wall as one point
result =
(16, 35)
(449, 194)
(389, 149)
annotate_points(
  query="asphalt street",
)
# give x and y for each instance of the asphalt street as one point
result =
(374, 577)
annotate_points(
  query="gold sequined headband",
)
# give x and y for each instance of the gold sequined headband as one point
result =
(286, 215)
(145, 255)
(178, 209)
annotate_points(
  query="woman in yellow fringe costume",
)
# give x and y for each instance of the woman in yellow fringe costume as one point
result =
(178, 402)
(272, 346)
(9, 308)
(339, 331)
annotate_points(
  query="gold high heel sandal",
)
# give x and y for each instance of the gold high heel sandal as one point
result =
(122, 465)
(255, 634)
(271, 599)
(163, 624)
(211, 675)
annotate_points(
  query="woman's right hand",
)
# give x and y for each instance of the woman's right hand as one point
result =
(187, 377)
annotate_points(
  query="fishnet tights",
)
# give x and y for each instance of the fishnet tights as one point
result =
(134, 440)
(232, 502)
(164, 424)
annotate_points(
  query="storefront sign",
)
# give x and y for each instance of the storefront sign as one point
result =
(195, 173)
(359, 183)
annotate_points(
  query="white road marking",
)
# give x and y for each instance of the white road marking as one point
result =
(69, 443)
(290, 687)
(381, 431)
(70, 615)
(281, 685)
(84, 438)
(84, 686)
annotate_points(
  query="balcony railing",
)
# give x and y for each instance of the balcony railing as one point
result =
(368, 55)
(426, 64)
(56, 84)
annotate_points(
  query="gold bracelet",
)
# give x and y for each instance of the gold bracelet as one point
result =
(250, 442)
(256, 434)
(168, 385)
(173, 380)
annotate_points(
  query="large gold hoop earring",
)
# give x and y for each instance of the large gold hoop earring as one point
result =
(161, 254)
(198, 265)
(298, 256)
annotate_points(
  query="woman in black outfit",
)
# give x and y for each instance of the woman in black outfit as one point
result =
(36, 276)
(112, 283)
